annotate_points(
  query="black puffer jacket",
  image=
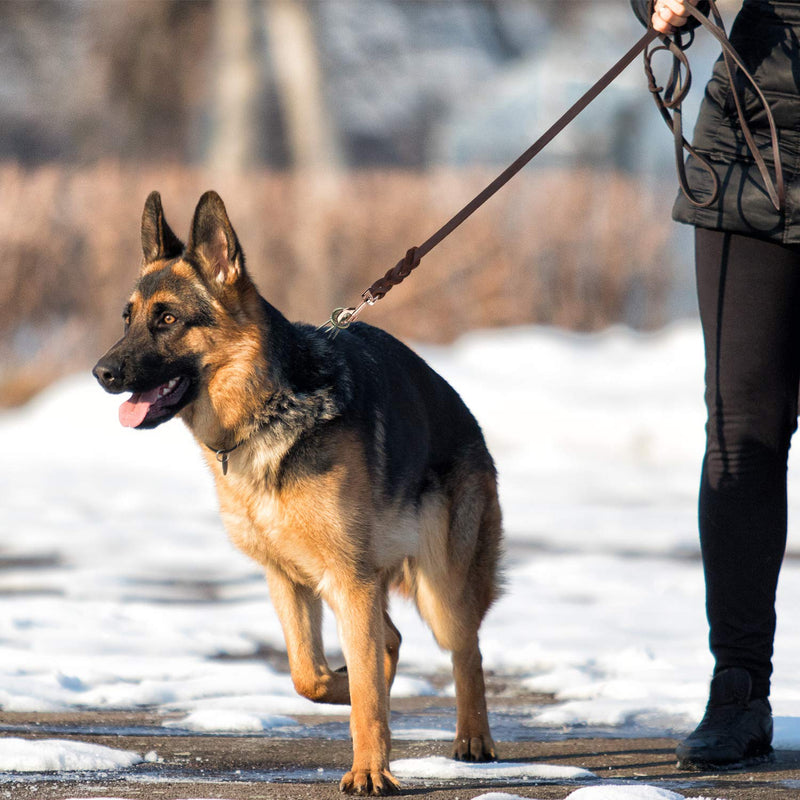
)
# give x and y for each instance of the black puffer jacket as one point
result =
(766, 34)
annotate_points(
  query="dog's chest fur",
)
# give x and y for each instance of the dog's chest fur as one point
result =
(301, 523)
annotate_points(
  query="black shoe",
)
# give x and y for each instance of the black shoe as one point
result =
(735, 731)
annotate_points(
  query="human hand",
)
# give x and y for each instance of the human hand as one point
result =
(669, 15)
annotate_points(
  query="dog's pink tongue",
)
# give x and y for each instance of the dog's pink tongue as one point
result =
(132, 412)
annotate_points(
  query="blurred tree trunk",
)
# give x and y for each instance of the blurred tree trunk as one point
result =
(311, 137)
(234, 144)
(314, 152)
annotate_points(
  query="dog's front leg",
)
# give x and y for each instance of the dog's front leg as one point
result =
(300, 612)
(359, 614)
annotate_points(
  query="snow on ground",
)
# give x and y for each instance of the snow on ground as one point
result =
(613, 792)
(51, 755)
(119, 588)
(230, 722)
(442, 768)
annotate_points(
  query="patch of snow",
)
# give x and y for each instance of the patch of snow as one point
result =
(612, 792)
(230, 721)
(61, 755)
(438, 767)
(119, 588)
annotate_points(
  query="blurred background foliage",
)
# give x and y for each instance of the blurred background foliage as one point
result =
(339, 133)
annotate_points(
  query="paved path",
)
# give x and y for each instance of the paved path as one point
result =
(237, 767)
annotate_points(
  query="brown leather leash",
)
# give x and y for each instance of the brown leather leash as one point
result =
(674, 93)
(676, 89)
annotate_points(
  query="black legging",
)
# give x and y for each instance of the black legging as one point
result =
(749, 295)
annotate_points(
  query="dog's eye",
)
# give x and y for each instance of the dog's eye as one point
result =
(168, 319)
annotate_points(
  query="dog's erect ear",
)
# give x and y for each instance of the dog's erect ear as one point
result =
(158, 240)
(213, 241)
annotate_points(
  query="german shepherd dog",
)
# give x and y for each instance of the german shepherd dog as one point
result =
(344, 466)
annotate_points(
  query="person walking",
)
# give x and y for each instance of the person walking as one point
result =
(747, 258)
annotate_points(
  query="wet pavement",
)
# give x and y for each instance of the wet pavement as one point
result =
(268, 765)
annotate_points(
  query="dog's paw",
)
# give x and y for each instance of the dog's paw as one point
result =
(474, 748)
(363, 783)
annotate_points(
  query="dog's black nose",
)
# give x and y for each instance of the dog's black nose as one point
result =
(108, 376)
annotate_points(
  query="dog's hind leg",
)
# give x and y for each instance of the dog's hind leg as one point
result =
(300, 611)
(454, 621)
(473, 740)
(455, 583)
(455, 627)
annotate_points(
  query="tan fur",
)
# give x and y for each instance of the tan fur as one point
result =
(135, 301)
(328, 534)
(321, 540)
(230, 397)
(149, 267)
(329, 539)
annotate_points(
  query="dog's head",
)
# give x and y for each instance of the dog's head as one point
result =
(186, 310)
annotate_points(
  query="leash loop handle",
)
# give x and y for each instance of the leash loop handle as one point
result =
(675, 91)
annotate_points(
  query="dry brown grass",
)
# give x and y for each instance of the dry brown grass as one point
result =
(554, 247)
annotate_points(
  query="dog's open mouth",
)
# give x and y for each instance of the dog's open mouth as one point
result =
(154, 405)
